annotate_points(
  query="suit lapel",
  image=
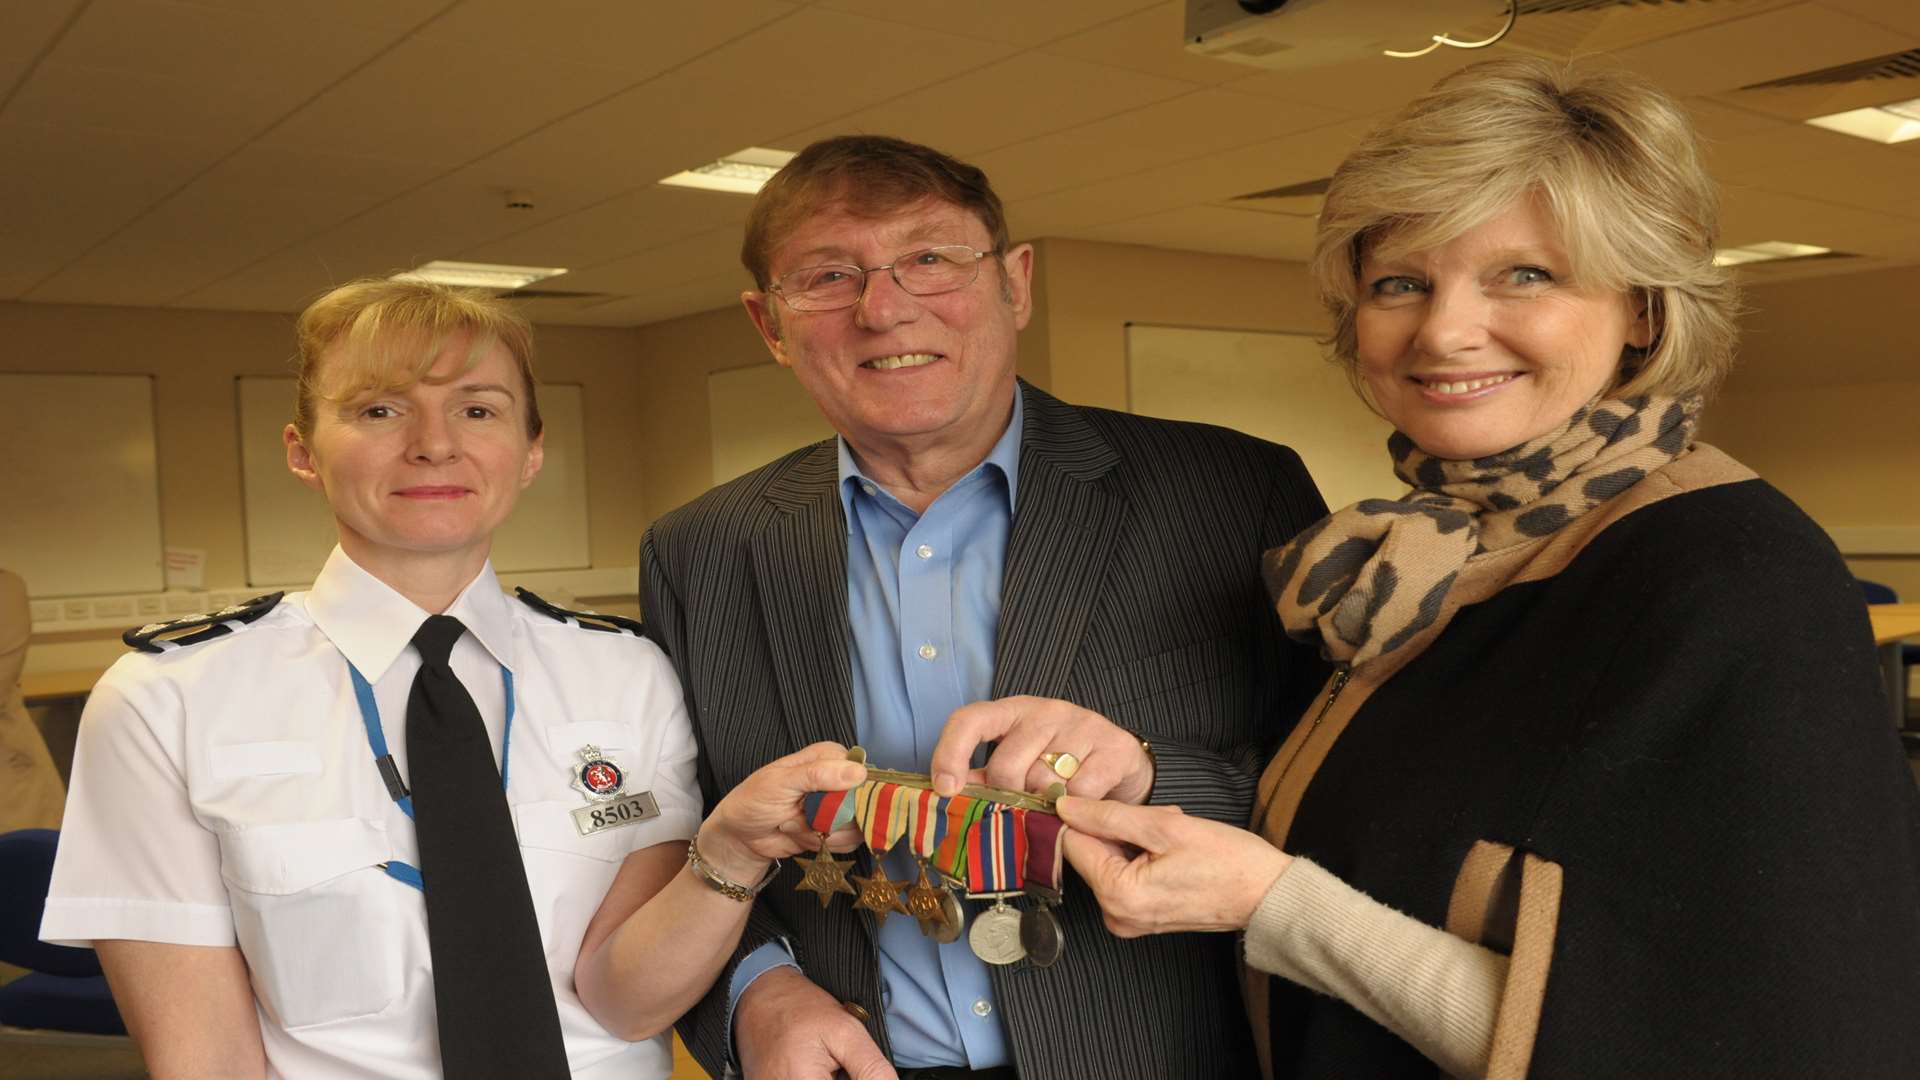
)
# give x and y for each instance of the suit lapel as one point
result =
(1064, 524)
(800, 571)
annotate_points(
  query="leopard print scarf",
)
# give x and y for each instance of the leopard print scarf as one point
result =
(1367, 579)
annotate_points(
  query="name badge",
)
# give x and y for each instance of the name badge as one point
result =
(627, 810)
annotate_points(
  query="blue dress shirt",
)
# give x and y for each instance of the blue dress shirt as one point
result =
(923, 607)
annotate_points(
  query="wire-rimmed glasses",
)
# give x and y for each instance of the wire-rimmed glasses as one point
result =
(925, 272)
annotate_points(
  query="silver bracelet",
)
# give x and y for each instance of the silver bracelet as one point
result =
(732, 890)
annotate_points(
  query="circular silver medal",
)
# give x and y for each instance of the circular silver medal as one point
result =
(995, 936)
(1041, 935)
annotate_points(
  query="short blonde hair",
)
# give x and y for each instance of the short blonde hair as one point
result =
(393, 331)
(1616, 165)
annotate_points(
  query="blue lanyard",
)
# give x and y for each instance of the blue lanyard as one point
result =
(390, 774)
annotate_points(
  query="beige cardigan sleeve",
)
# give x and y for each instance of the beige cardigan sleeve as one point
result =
(1439, 993)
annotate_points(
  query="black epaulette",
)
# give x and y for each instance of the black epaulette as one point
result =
(585, 620)
(193, 629)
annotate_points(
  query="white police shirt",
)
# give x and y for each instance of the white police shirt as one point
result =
(224, 794)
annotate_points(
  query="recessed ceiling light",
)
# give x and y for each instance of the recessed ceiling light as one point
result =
(742, 172)
(469, 275)
(1891, 123)
(1765, 252)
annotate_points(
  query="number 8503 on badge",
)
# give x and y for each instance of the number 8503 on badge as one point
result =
(603, 782)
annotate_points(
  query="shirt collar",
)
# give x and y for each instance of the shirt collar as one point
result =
(1004, 456)
(371, 623)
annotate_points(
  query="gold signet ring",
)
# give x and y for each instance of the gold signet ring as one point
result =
(1062, 763)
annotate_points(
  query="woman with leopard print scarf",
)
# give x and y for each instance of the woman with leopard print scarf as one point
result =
(1601, 784)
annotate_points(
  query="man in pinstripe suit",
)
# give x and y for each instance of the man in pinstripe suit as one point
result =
(967, 536)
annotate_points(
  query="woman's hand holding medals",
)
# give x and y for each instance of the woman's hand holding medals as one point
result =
(759, 821)
(1156, 871)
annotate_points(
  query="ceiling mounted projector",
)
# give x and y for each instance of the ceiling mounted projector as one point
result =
(1283, 34)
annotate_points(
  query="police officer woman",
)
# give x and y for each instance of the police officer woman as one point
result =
(401, 823)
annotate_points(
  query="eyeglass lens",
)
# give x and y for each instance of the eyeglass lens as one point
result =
(922, 273)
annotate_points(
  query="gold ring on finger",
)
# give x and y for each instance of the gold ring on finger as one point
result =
(1062, 763)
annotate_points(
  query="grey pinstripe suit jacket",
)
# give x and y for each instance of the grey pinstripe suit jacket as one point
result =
(1132, 587)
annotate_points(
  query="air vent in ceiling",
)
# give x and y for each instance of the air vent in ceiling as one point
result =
(554, 294)
(1301, 200)
(1900, 65)
(1305, 187)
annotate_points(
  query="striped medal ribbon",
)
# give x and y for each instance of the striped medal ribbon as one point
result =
(828, 811)
(882, 813)
(997, 852)
(950, 856)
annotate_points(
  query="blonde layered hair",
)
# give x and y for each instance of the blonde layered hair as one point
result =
(1614, 162)
(391, 332)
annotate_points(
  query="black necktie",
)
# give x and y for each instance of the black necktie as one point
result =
(491, 988)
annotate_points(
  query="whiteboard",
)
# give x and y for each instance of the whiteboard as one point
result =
(290, 530)
(80, 484)
(1279, 387)
(759, 413)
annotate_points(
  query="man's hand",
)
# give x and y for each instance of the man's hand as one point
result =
(1157, 871)
(1112, 763)
(786, 1028)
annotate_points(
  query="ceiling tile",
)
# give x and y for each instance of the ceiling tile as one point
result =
(1620, 26)
(1151, 41)
(634, 37)
(1717, 120)
(1899, 15)
(707, 294)
(1751, 214)
(66, 189)
(69, 96)
(1187, 127)
(632, 222)
(223, 222)
(287, 50)
(702, 256)
(800, 72)
(388, 15)
(30, 27)
(1020, 22)
(461, 102)
(1740, 52)
(1360, 86)
(1214, 229)
(287, 281)
(1216, 179)
(1822, 165)
(1016, 99)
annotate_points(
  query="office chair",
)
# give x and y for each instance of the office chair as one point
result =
(1877, 593)
(63, 992)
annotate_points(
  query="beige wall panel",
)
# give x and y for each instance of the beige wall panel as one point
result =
(1825, 404)
(759, 413)
(1279, 387)
(195, 356)
(1848, 454)
(1094, 290)
(676, 433)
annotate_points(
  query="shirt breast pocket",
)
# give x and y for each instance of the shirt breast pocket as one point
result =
(549, 825)
(317, 918)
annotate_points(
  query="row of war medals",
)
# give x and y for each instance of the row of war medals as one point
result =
(990, 843)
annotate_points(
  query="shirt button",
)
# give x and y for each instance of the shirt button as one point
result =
(928, 652)
(981, 1007)
(869, 489)
(925, 551)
